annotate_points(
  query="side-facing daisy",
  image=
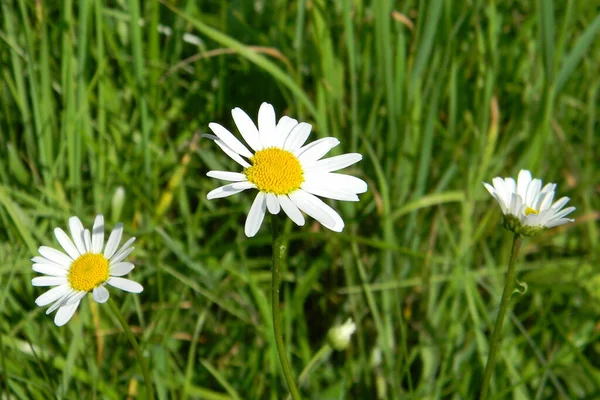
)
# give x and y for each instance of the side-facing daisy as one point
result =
(527, 206)
(288, 174)
(84, 268)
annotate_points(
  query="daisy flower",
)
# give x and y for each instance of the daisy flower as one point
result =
(527, 206)
(287, 173)
(84, 268)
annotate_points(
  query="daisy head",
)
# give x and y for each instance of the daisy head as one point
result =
(83, 267)
(527, 206)
(287, 173)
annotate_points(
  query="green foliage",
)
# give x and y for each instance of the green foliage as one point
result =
(437, 95)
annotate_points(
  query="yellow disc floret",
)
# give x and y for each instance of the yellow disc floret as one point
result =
(88, 271)
(275, 170)
(529, 211)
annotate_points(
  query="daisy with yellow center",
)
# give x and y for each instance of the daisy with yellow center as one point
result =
(288, 174)
(527, 206)
(84, 268)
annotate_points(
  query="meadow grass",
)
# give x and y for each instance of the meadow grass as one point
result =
(437, 95)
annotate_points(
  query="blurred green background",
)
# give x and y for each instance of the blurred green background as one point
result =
(437, 95)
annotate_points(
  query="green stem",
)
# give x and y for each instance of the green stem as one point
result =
(136, 348)
(279, 257)
(509, 285)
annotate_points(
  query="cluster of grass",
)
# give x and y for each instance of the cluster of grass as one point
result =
(437, 95)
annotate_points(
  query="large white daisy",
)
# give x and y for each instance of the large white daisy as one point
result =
(288, 174)
(527, 206)
(84, 268)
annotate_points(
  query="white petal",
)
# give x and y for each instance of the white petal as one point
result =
(227, 150)
(505, 207)
(557, 222)
(227, 176)
(510, 185)
(120, 269)
(87, 240)
(341, 182)
(70, 298)
(523, 182)
(291, 209)
(256, 215)
(98, 234)
(560, 203)
(297, 136)
(60, 302)
(113, 241)
(49, 280)
(76, 228)
(74, 297)
(317, 209)
(50, 269)
(537, 219)
(502, 191)
(517, 209)
(100, 294)
(273, 204)
(549, 187)
(546, 201)
(231, 141)
(532, 192)
(563, 213)
(66, 243)
(334, 163)
(318, 189)
(55, 256)
(283, 129)
(42, 260)
(65, 313)
(125, 284)
(266, 124)
(243, 185)
(316, 150)
(225, 191)
(53, 295)
(123, 252)
(489, 188)
(247, 128)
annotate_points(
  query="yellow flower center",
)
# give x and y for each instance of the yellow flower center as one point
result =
(529, 211)
(88, 271)
(275, 170)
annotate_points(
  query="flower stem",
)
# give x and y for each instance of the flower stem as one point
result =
(136, 348)
(279, 258)
(509, 285)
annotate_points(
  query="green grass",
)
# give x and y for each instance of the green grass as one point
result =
(437, 95)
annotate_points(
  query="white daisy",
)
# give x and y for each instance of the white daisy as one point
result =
(527, 207)
(84, 268)
(287, 173)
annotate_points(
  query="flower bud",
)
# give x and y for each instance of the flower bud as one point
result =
(117, 203)
(339, 336)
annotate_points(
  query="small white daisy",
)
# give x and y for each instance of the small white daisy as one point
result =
(84, 268)
(527, 207)
(287, 173)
